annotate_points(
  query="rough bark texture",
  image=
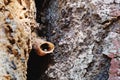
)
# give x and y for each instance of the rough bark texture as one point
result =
(85, 33)
(17, 19)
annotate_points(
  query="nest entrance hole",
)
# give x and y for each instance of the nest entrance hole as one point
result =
(45, 47)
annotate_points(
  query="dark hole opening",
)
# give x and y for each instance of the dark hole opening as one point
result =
(45, 47)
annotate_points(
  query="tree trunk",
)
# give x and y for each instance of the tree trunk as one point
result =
(86, 34)
(17, 19)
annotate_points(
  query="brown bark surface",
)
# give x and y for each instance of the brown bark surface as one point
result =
(17, 19)
(86, 34)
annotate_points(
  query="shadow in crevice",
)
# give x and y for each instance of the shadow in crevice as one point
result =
(37, 65)
(41, 5)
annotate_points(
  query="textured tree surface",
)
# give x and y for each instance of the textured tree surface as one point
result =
(17, 19)
(86, 34)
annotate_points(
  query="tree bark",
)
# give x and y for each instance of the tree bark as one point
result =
(17, 19)
(86, 34)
